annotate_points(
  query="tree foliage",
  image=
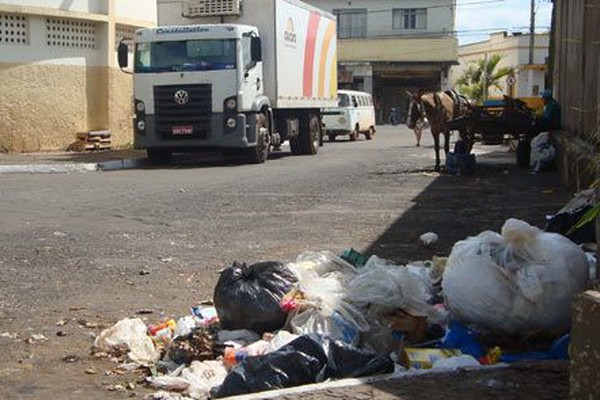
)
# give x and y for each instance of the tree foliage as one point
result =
(481, 75)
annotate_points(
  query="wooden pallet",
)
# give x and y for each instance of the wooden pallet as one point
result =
(94, 140)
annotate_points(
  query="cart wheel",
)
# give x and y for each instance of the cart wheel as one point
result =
(523, 153)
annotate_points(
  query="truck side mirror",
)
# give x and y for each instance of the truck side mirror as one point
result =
(255, 49)
(123, 55)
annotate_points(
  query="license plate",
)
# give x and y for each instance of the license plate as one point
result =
(183, 130)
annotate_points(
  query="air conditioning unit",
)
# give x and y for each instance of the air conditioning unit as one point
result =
(211, 8)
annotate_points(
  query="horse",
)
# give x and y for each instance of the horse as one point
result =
(439, 108)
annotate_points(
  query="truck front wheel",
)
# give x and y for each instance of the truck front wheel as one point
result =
(259, 153)
(158, 156)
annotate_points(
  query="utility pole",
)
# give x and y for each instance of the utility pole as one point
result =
(531, 31)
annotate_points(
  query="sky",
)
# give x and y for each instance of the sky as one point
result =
(476, 19)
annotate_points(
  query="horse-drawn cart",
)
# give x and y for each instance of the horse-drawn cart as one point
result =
(494, 121)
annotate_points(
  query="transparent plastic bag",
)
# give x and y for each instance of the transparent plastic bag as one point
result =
(392, 286)
(323, 307)
(521, 282)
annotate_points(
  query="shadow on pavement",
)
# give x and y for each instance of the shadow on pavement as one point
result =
(456, 207)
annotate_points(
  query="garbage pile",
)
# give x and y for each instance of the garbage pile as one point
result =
(275, 325)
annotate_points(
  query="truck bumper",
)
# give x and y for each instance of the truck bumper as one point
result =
(217, 137)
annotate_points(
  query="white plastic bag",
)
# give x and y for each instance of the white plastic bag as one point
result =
(195, 380)
(133, 334)
(542, 152)
(521, 282)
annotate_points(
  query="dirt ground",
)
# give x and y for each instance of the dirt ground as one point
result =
(84, 276)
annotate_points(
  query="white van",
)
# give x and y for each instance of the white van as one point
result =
(354, 115)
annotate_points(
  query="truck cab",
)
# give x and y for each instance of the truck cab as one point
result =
(197, 87)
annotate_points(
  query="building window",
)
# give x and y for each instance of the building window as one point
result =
(409, 18)
(72, 33)
(351, 23)
(14, 29)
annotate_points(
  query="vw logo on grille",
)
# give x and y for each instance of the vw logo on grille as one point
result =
(181, 97)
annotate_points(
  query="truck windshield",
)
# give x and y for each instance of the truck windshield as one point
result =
(185, 55)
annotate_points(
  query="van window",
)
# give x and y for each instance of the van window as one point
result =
(343, 100)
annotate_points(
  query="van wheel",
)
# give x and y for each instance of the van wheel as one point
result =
(370, 133)
(331, 137)
(158, 156)
(260, 153)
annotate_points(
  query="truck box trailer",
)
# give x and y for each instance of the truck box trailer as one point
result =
(237, 77)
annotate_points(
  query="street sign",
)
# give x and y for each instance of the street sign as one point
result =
(510, 80)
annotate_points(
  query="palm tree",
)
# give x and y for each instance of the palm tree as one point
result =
(482, 75)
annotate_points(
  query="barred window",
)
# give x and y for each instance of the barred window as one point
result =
(409, 18)
(351, 23)
(14, 29)
(124, 32)
(63, 32)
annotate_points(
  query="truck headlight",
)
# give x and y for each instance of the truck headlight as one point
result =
(140, 107)
(231, 123)
(141, 125)
(231, 103)
(342, 120)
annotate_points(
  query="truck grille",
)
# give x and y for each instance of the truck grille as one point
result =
(183, 106)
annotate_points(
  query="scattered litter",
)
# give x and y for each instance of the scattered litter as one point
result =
(429, 238)
(62, 322)
(196, 381)
(36, 338)
(198, 345)
(128, 335)
(71, 358)
(323, 316)
(8, 335)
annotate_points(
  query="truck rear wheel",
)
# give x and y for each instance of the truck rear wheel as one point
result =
(259, 153)
(158, 156)
(310, 134)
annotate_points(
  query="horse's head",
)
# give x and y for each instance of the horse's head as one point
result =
(415, 110)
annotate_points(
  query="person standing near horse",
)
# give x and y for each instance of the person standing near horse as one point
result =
(439, 108)
(416, 119)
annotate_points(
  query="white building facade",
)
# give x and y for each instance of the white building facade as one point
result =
(58, 72)
(528, 79)
(386, 47)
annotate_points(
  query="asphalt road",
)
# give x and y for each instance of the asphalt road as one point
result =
(92, 248)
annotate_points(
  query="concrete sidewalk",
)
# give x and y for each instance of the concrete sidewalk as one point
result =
(65, 162)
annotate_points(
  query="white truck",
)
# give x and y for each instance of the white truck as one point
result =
(239, 77)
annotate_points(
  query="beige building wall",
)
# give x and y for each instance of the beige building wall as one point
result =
(529, 79)
(58, 74)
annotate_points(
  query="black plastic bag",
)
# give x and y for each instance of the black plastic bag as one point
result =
(570, 214)
(308, 359)
(247, 297)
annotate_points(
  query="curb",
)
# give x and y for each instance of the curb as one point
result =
(127, 163)
(66, 168)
